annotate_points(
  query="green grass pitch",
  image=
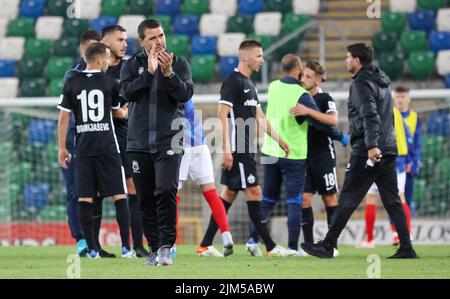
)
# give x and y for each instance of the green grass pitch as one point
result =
(51, 262)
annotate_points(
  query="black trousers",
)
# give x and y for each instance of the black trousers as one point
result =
(156, 179)
(358, 180)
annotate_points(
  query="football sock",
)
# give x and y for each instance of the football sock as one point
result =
(86, 222)
(212, 227)
(135, 221)
(370, 216)
(294, 224)
(123, 219)
(308, 224)
(254, 211)
(97, 211)
(217, 209)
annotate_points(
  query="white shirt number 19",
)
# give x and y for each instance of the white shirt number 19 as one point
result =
(92, 105)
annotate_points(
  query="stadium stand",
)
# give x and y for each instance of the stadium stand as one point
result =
(7, 68)
(57, 8)
(443, 16)
(130, 23)
(195, 7)
(422, 20)
(268, 23)
(88, 9)
(186, 25)
(12, 48)
(443, 62)
(103, 21)
(228, 43)
(32, 8)
(250, 7)
(3, 27)
(168, 7)
(114, 8)
(10, 9)
(9, 87)
(407, 6)
(213, 24)
(204, 45)
(226, 7)
(309, 7)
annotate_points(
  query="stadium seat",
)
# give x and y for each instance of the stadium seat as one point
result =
(12, 48)
(308, 7)
(447, 81)
(66, 47)
(250, 7)
(89, 9)
(413, 41)
(20, 173)
(442, 19)
(240, 23)
(9, 87)
(178, 44)
(166, 22)
(131, 46)
(384, 42)
(443, 62)
(49, 27)
(21, 27)
(57, 66)
(101, 22)
(37, 48)
(168, 7)
(293, 21)
(203, 68)
(55, 88)
(10, 9)
(432, 145)
(419, 191)
(3, 27)
(223, 7)
(444, 170)
(41, 130)
(430, 4)
(282, 6)
(204, 45)
(438, 124)
(268, 23)
(57, 8)
(187, 25)
(439, 40)
(213, 24)
(33, 87)
(421, 64)
(7, 68)
(131, 23)
(407, 6)
(75, 27)
(227, 65)
(393, 21)
(28, 68)
(228, 43)
(392, 63)
(140, 7)
(195, 7)
(422, 20)
(114, 8)
(265, 40)
(32, 8)
(53, 213)
(35, 196)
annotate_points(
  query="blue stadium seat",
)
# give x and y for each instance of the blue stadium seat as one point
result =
(132, 45)
(227, 65)
(422, 20)
(101, 22)
(204, 45)
(41, 130)
(439, 124)
(35, 196)
(251, 7)
(7, 68)
(32, 8)
(447, 81)
(439, 40)
(186, 25)
(168, 7)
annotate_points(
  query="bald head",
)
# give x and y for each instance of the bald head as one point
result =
(290, 62)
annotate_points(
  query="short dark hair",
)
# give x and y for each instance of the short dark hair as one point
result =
(90, 35)
(315, 66)
(94, 50)
(147, 24)
(361, 51)
(249, 43)
(112, 28)
(289, 62)
(401, 89)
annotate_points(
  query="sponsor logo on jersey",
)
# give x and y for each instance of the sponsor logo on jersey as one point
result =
(251, 102)
(141, 70)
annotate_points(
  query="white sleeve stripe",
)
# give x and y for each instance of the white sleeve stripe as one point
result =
(116, 107)
(63, 109)
(226, 103)
(331, 110)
